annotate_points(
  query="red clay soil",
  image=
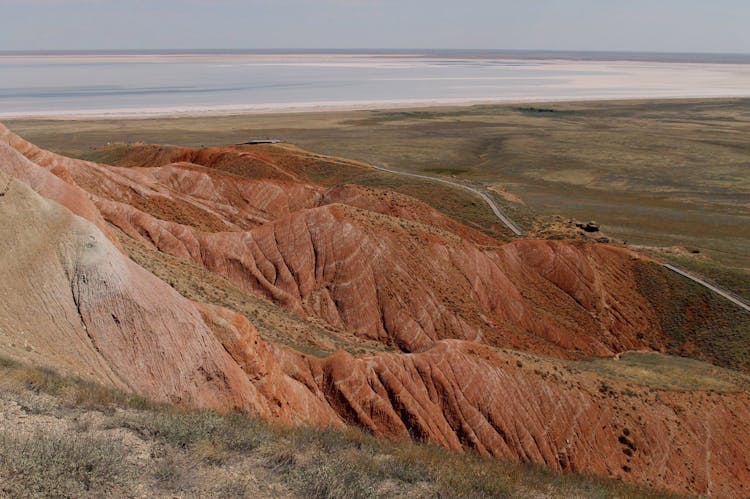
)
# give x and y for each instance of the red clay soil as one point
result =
(447, 300)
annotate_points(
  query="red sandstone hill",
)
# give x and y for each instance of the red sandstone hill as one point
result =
(434, 313)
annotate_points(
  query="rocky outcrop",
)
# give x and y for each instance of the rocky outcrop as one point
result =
(17, 166)
(71, 300)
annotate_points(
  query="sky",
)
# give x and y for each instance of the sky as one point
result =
(601, 25)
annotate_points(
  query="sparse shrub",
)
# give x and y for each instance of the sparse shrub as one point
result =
(234, 489)
(629, 393)
(280, 456)
(60, 466)
(171, 473)
(467, 474)
(394, 468)
(211, 451)
(72, 390)
(188, 429)
(333, 477)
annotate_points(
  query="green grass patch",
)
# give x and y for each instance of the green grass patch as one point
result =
(666, 372)
(737, 280)
(446, 171)
(531, 111)
(697, 322)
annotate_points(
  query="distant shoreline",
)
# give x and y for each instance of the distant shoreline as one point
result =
(529, 55)
(271, 109)
(129, 85)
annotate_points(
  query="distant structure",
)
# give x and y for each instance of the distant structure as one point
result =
(262, 141)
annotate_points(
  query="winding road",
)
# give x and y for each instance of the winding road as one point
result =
(716, 289)
(486, 198)
(520, 233)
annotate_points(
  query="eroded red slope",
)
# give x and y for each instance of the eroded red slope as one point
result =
(446, 299)
(382, 265)
(466, 395)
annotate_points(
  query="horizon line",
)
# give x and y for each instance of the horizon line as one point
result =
(368, 49)
(522, 54)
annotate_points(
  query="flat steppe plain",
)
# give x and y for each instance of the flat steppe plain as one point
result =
(671, 175)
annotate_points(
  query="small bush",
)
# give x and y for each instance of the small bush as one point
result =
(333, 477)
(59, 466)
(172, 474)
(234, 489)
(187, 429)
(72, 390)
(280, 456)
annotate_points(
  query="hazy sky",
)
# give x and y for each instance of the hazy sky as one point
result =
(636, 25)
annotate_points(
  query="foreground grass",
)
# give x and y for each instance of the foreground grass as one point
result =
(88, 441)
(42, 464)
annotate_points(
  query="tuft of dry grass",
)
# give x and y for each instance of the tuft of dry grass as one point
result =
(71, 390)
(48, 465)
